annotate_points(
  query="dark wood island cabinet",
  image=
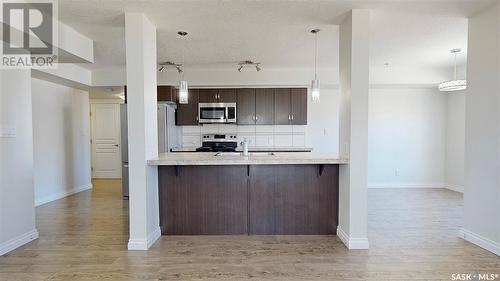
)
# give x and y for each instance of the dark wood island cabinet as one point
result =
(248, 199)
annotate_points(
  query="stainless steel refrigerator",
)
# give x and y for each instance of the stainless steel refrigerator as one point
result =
(169, 136)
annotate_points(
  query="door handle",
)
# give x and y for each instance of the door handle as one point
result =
(292, 116)
(116, 145)
(289, 118)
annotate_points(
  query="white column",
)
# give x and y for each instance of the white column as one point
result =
(481, 224)
(354, 80)
(17, 203)
(140, 42)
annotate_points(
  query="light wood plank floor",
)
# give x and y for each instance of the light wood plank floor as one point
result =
(413, 236)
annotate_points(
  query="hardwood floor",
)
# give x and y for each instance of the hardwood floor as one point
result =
(413, 236)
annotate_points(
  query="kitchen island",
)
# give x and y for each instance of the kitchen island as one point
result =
(203, 193)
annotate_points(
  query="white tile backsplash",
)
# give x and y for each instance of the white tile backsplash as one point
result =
(228, 129)
(250, 138)
(191, 130)
(264, 140)
(283, 140)
(298, 140)
(298, 129)
(264, 129)
(191, 141)
(259, 135)
(210, 129)
(246, 129)
(283, 129)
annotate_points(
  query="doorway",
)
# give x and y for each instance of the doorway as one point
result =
(106, 143)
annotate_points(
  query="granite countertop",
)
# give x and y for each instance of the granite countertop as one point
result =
(252, 149)
(278, 158)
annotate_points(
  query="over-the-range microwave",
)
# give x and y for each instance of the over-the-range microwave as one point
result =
(217, 112)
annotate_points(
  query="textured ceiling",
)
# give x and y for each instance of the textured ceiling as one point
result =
(275, 33)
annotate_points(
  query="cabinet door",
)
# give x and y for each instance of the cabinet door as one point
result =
(187, 114)
(166, 93)
(299, 106)
(264, 106)
(245, 106)
(282, 106)
(226, 95)
(208, 95)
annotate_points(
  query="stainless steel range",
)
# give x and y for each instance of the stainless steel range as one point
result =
(218, 143)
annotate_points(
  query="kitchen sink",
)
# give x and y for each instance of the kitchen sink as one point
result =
(227, 154)
(261, 154)
(218, 154)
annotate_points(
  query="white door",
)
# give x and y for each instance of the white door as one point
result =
(106, 156)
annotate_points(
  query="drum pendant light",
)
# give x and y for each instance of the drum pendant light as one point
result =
(183, 84)
(315, 84)
(453, 85)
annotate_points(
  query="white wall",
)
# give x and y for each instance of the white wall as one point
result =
(407, 138)
(455, 141)
(17, 208)
(61, 134)
(482, 132)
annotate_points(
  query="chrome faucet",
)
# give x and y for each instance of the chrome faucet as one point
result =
(244, 143)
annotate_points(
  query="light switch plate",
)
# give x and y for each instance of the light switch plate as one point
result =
(8, 132)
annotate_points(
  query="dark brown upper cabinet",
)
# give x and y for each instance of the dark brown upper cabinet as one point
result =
(255, 106)
(166, 93)
(245, 106)
(217, 95)
(282, 106)
(290, 106)
(187, 114)
(264, 106)
(227, 95)
(298, 101)
(208, 95)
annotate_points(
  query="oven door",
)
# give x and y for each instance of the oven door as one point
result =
(212, 113)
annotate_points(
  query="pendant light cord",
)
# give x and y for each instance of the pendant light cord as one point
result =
(182, 57)
(455, 69)
(315, 55)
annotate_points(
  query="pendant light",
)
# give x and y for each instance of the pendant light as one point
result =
(183, 84)
(453, 85)
(315, 85)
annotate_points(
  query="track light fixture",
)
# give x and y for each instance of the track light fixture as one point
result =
(242, 65)
(169, 64)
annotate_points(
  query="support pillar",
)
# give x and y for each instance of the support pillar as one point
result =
(354, 82)
(140, 42)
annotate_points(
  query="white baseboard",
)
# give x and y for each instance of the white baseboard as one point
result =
(457, 188)
(407, 185)
(480, 241)
(144, 244)
(17, 242)
(60, 195)
(352, 243)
